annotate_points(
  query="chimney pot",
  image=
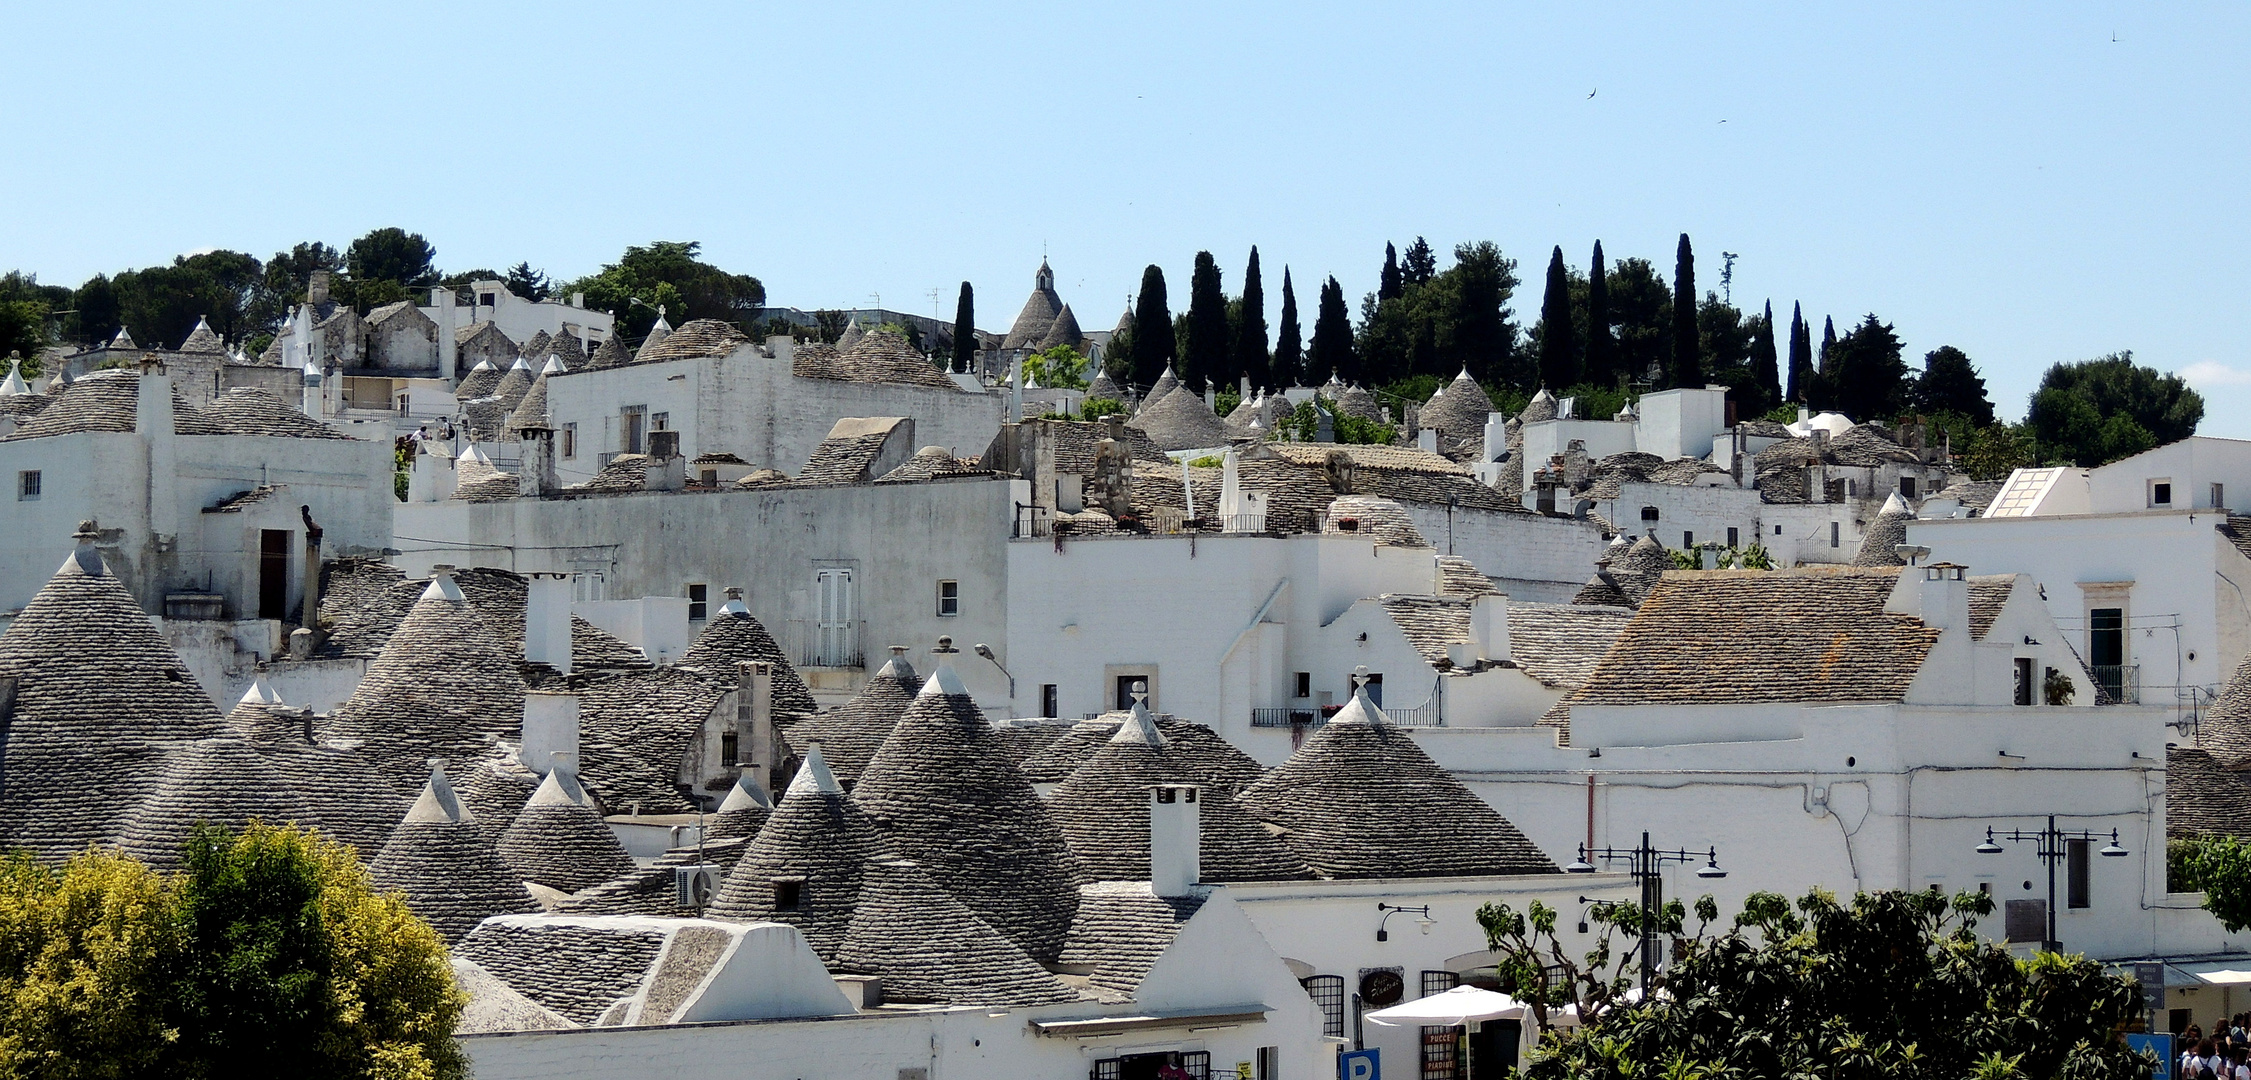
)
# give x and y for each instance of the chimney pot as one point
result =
(1175, 839)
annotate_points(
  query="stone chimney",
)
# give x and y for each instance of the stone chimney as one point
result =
(550, 730)
(667, 471)
(755, 746)
(535, 478)
(1175, 839)
(547, 621)
(316, 290)
(153, 421)
(1488, 626)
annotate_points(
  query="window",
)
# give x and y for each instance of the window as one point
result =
(699, 606)
(1047, 699)
(2075, 854)
(660, 421)
(27, 486)
(787, 893)
(1373, 684)
(730, 746)
(487, 299)
(1833, 534)
(1732, 538)
(836, 639)
(1851, 489)
(1687, 540)
(2160, 493)
(633, 423)
(2106, 647)
(2024, 680)
(1327, 992)
(949, 599)
(1270, 1061)
(1648, 514)
(1127, 686)
(570, 440)
(1906, 487)
(1304, 684)
(1778, 530)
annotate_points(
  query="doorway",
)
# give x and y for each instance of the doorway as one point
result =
(273, 573)
(834, 642)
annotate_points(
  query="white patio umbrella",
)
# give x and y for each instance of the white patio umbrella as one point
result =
(1456, 1006)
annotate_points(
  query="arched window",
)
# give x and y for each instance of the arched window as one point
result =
(1648, 514)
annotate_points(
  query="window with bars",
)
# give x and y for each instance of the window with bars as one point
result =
(1327, 991)
(1196, 1063)
(1441, 1046)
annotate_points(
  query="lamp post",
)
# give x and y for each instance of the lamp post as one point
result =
(1647, 865)
(2053, 846)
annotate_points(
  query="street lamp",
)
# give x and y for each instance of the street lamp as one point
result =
(2053, 846)
(1422, 918)
(1647, 866)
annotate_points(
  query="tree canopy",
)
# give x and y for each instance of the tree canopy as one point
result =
(2097, 411)
(394, 255)
(1889, 985)
(1866, 376)
(1950, 384)
(670, 274)
(1153, 345)
(269, 955)
(1289, 349)
(1206, 352)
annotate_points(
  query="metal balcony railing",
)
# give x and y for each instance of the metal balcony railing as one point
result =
(2122, 683)
(1311, 717)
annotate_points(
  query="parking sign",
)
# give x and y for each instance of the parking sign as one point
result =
(1359, 1065)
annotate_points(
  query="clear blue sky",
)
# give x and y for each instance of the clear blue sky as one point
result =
(2030, 183)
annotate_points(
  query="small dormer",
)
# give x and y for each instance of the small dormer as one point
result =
(1044, 281)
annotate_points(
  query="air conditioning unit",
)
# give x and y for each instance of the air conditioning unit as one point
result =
(695, 886)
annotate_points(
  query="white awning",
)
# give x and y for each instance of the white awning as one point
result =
(2225, 978)
(1456, 1006)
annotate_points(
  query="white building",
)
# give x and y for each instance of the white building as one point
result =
(2142, 566)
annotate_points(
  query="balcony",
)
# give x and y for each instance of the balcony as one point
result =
(1309, 717)
(2120, 683)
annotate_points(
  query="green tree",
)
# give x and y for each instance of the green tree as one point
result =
(1559, 348)
(1474, 331)
(1250, 327)
(1601, 365)
(1688, 353)
(965, 330)
(1725, 339)
(1867, 375)
(392, 254)
(2097, 411)
(1950, 384)
(1801, 356)
(1205, 354)
(527, 282)
(1060, 365)
(1388, 284)
(26, 317)
(160, 304)
(1331, 354)
(673, 275)
(2220, 868)
(1418, 266)
(1153, 345)
(1289, 351)
(97, 315)
(281, 287)
(1765, 361)
(1641, 307)
(1891, 985)
(268, 955)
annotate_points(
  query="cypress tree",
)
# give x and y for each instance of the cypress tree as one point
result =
(1559, 353)
(1688, 351)
(1332, 339)
(965, 330)
(1388, 286)
(1152, 325)
(1250, 337)
(1765, 365)
(1205, 354)
(1601, 367)
(1801, 356)
(1828, 341)
(1289, 351)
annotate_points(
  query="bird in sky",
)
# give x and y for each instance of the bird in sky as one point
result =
(1597, 90)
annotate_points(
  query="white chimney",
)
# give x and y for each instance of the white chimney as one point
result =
(536, 476)
(1175, 839)
(547, 622)
(1427, 440)
(754, 722)
(1488, 626)
(550, 729)
(442, 298)
(1946, 596)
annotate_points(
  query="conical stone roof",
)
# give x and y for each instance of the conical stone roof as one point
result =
(1181, 421)
(657, 333)
(1357, 403)
(1879, 545)
(100, 699)
(2225, 731)
(1063, 331)
(1038, 315)
(218, 781)
(202, 340)
(342, 793)
(611, 353)
(537, 346)
(1103, 389)
(567, 347)
(1103, 811)
(514, 385)
(733, 635)
(1164, 386)
(1361, 800)
(746, 809)
(1459, 410)
(947, 796)
(816, 844)
(851, 335)
(447, 866)
(443, 686)
(850, 734)
(1543, 406)
(531, 412)
(480, 382)
(930, 949)
(560, 841)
